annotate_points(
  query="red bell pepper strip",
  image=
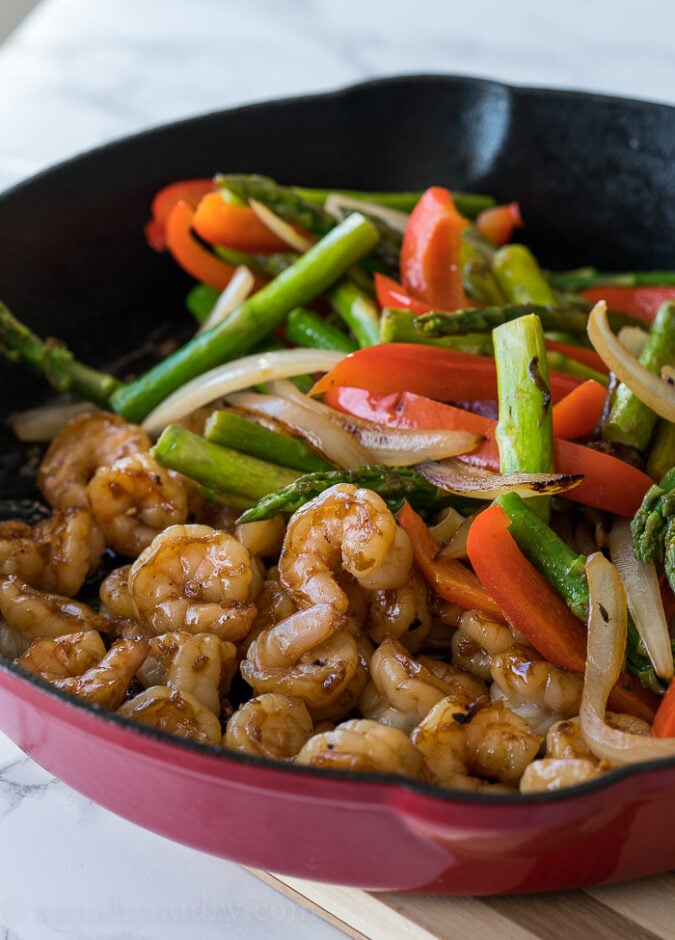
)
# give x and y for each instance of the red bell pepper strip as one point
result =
(640, 302)
(391, 294)
(533, 607)
(223, 223)
(440, 373)
(190, 255)
(664, 722)
(430, 254)
(449, 578)
(578, 413)
(190, 191)
(609, 483)
(497, 223)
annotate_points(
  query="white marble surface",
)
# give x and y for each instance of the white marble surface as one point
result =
(79, 73)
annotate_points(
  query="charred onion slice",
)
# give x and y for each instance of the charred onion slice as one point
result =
(455, 476)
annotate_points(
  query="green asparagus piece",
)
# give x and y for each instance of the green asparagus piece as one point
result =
(566, 571)
(582, 278)
(51, 359)
(218, 468)
(468, 204)
(230, 429)
(394, 484)
(201, 300)
(401, 326)
(630, 421)
(435, 324)
(559, 362)
(310, 276)
(662, 451)
(477, 276)
(306, 328)
(271, 264)
(358, 311)
(520, 277)
(653, 526)
(524, 431)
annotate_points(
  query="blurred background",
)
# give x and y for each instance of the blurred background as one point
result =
(11, 14)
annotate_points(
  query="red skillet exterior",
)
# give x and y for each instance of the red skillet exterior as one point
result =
(350, 830)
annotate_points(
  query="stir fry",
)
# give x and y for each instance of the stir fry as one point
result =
(404, 504)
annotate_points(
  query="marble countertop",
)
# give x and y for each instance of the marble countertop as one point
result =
(77, 74)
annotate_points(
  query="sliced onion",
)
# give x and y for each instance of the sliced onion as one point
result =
(339, 205)
(641, 584)
(232, 297)
(455, 547)
(235, 375)
(607, 628)
(455, 476)
(41, 425)
(448, 523)
(281, 227)
(318, 429)
(657, 393)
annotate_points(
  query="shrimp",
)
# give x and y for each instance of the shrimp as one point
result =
(441, 739)
(555, 773)
(115, 596)
(343, 527)
(363, 745)
(59, 657)
(107, 682)
(269, 725)
(56, 554)
(133, 500)
(402, 613)
(87, 442)
(476, 640)
(263, 538)
(36, 614)
(310, 655)
(500, 744)
(535, 689)
(194, 578)
(564, 740)
(175, 712)
(201, 664)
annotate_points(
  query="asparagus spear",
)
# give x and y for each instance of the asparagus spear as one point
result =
(358, 311)
(582, 278)
(468, 204)
(520, 277)
(394, 484)
(54, 361)
(567, 573)
(230, 429)
(653, 527)
(218, 469)
(306, 328)
(436, 324)
(271, 264)
(630, 421)
(308, 277)
(662, 451)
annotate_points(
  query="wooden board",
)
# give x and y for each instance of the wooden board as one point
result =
(640, 910)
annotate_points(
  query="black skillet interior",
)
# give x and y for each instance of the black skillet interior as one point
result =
(595, 177)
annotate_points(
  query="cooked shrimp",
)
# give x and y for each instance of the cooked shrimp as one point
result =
(535, 689)
(107, 682)
(59, 657)
(310, 655)
(194, 578)
(263, 538)
(56, 554)
(441, 739)
(196, 663)
(565, 740)
(360, 744)
(175, 712)
(269, 725)
(402, 613)
(476, 640)
(36, 614)
(116, 599)
(555, 773)
(348, 699)
(133, 500)
(343, 527)
(500, 744)
(87, 442)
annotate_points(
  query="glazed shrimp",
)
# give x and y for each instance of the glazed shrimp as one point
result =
(107, 682)
(115, 596)
(500, 744)
(441, 739)
(476, 640)
(361, 744)
(535, 689)
(555, 773)
(175, 712)
(36, 614)
(133, 500)
(310, 655)
(87, 442)
(56, 554)
(270, 725)
(201, 664)
(194, 578)
(347, 528)
(60, 657)
(402, 613)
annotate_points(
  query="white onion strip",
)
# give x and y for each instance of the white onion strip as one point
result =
(281, 227)
(657, 394)
(455, 476)
(339, 205)
(607, 628)
(236, 375)
(41, 425)
(641, 584)
(236, 292)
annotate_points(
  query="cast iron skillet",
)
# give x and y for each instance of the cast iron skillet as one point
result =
(596, 182)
